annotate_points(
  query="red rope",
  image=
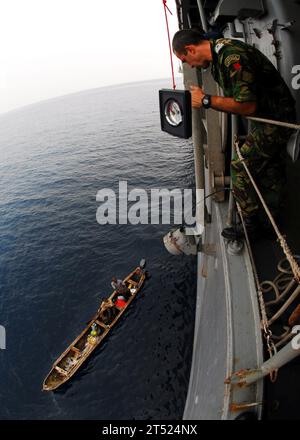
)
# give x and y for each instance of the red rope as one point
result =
(170, 46)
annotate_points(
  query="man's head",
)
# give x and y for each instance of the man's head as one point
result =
(192, 47)
(114, 279)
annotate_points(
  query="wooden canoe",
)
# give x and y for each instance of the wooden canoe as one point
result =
(82, 347)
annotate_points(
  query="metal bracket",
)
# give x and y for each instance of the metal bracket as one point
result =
(285, 26)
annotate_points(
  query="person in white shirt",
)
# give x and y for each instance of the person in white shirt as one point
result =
(118, 285)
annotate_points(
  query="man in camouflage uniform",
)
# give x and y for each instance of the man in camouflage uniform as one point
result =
(251, 86)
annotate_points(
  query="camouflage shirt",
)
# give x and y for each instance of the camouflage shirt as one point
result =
(245, 74)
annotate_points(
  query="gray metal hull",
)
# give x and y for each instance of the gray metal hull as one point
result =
(227, 331)
(228, 334)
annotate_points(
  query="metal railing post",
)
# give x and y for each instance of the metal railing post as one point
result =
(282, 357)
(202, 15)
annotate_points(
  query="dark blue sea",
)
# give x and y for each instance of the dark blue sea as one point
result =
(56, 261)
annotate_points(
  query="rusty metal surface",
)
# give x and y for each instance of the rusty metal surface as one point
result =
(295, 317)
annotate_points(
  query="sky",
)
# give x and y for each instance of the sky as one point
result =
(50, 48)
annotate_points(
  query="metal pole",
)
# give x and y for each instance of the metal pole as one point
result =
(190, 77)
(231, 206)
(202, 15)
(272, 122)
(199, 167)
(247, 377)
(198, 148)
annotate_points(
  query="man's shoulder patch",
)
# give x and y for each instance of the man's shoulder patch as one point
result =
(224, 41)
(220, 43)
(233, 58)
(218, 47)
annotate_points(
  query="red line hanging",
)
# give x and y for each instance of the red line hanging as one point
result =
(170, 47)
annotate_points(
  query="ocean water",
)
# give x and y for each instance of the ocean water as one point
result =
(56, 261)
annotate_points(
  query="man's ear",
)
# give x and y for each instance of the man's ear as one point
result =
(190, 48)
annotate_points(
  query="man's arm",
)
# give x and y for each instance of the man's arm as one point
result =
(228, 105)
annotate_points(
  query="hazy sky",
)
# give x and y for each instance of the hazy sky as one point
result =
(53, 47)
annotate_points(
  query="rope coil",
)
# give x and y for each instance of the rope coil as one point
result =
(283, 243)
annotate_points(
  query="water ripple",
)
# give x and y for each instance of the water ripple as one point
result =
(56, 262)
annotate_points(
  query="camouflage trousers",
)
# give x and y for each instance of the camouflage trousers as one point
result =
(264, 152)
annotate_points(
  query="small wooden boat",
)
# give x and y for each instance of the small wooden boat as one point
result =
(92, 336)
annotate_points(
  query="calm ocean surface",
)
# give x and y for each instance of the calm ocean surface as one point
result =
(56, 261)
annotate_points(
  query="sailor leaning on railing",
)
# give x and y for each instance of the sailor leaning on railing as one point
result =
(252, 87)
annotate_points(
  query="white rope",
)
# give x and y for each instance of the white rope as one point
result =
(259, 290)
(294, 265)
(264, 318)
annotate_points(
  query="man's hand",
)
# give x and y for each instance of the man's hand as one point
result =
(220, 103)
(197, 96)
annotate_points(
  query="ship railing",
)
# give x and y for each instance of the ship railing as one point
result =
(283, 291)
(286, 286)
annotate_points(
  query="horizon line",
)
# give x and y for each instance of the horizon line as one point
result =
(82, 91)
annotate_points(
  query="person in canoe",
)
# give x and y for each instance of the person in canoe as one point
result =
(120, 302)
(107, 311)
(120, 287)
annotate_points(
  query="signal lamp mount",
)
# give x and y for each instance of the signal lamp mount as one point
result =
(176, 112)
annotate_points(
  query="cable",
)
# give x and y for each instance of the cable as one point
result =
(212, 194)
(169, 39)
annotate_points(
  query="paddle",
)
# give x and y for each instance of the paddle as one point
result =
(97, 313)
